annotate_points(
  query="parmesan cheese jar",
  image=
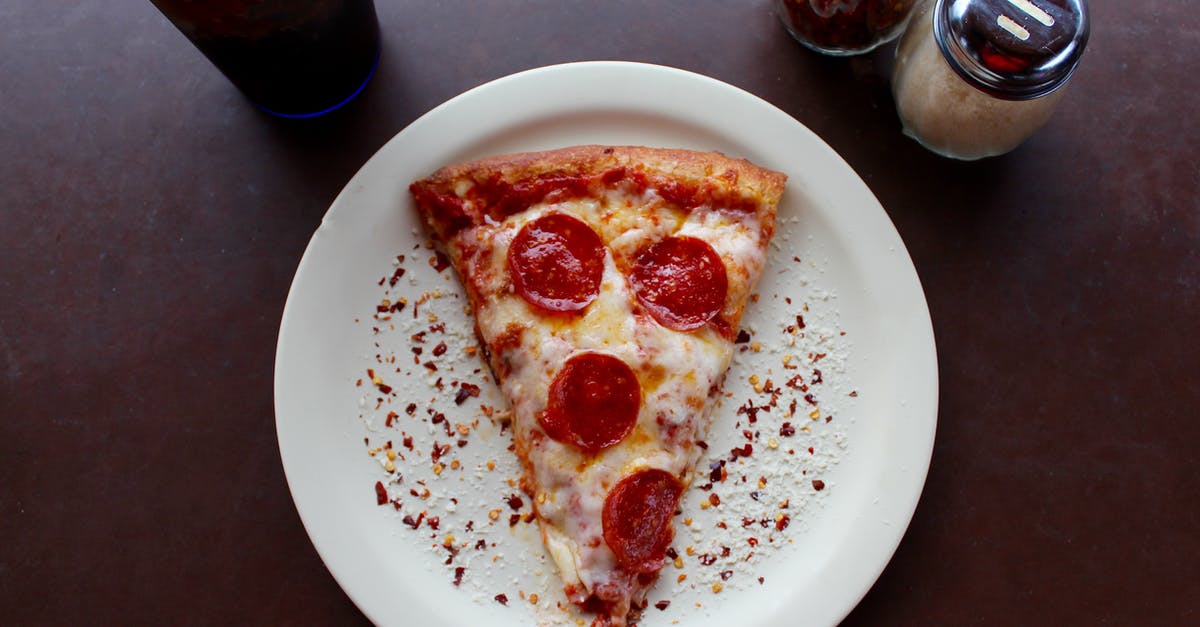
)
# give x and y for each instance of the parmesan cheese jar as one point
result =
(975, 78)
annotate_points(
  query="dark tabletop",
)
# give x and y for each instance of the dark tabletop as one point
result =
(152, 221)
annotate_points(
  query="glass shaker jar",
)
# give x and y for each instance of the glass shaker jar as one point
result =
(844, 27)
(975, 78)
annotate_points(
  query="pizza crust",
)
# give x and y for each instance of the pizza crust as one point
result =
(764, 185)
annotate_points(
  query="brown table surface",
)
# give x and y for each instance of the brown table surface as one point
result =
(153, 220)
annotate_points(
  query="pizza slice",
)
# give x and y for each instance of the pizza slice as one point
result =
(607, 284)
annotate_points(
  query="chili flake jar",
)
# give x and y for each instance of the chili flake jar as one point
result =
(975, 78)
(844, 27)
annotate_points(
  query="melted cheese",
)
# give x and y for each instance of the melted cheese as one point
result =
(677, 370)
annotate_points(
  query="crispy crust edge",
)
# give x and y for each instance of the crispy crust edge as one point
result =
(763, 184)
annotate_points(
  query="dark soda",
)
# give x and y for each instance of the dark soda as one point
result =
(291, 58)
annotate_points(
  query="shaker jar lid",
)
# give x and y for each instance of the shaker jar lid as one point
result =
(1012, 49)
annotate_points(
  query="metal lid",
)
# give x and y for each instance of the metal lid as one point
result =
(1012, 49)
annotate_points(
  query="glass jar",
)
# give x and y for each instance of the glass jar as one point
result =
(844, 27)
(975, 78)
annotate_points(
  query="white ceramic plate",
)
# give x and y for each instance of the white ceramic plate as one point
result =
(828, 215)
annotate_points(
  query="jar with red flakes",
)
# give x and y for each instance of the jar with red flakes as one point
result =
(844, 27)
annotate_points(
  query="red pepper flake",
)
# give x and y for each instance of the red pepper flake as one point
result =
(817, 378)
(744, 451)
(433, 522)
(453, 551)
(432, 367)
(663, 604)
(414, 522)
(726, 574)
(716, 471)
(799, 321)
(725, 551)
(514, 502)
(502, 599)
(755, 494)
(396, 277)
(458, 575)
(752, 541)
(796, 259)
(760, 580)
(439, 261)
(461, 443)
(411, 409)
(438, 451)
(853, 393)
(787, 430)
(818, 485)
(440, 349)
(513, 520)
(418, 337)
(481, 544)
(465, 391)
(742, 337)
(385, 388)
(391, 416)
(750, 411)
(408, 442)
(714, 499)
(708, 560)
(810, 399)
(672, 553)
(783, 522)
(381, 495)
(397, 306)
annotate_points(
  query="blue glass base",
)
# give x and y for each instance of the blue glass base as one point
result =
(356, 92)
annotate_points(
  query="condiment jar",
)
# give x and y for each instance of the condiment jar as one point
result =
(975, 78)
(844, 27)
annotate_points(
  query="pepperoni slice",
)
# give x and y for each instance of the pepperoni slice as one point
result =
(594, 402)
(637, 519)
(682, 281)
(556, 263)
